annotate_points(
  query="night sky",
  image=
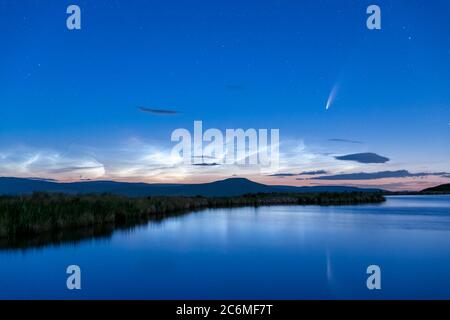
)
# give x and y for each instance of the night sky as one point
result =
(72, 101)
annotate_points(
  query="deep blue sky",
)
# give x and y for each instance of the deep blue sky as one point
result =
(231, 64)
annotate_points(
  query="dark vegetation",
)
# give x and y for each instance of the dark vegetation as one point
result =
(442, 189)
(47, 217)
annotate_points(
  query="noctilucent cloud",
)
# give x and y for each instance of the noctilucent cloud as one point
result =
(102, 102)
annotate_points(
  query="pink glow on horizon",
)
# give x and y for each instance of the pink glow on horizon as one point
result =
(390, 184)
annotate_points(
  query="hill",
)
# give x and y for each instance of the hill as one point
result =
(228, 187)
(443, 188)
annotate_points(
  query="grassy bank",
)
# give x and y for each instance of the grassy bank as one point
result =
(43, 212)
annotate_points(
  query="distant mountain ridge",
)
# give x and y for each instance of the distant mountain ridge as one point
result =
(443, 188)
(227, 187)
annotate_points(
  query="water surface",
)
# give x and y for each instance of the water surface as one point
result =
(282, 252)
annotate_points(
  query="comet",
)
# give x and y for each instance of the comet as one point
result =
(331, 97)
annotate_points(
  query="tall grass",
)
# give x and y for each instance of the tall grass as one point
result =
(44, 212)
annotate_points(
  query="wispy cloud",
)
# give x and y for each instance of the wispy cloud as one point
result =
(159, 111)
(75, 169)
(283, 175)
(304, 173)
(346, 141)
(313, 173)
(363, 158)
(379, 175)
(49, 164)
(205, 164)
(138, 159)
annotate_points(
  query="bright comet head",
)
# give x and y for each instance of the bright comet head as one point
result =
(331, 97)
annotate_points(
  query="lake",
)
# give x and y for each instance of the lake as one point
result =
(280, 252)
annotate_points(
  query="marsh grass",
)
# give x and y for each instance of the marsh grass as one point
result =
(49, 213)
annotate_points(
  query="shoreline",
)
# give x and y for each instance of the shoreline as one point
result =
(418, 193)
(43, 218)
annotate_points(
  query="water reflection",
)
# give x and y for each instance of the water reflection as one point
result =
(76, 235)
(280, 252)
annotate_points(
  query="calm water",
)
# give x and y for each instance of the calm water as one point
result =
(259, 253)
